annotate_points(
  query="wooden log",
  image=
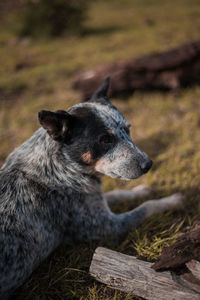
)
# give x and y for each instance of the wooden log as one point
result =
(134, 276)
(190, 281)
(194, 267)
(186, 248)
(167, 70)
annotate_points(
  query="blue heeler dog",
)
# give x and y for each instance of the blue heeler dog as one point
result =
(50, 188)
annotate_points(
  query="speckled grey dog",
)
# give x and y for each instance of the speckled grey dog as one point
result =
(50, 189)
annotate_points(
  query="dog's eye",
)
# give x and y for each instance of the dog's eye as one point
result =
(107, 139)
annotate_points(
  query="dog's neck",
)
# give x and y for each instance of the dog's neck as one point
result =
(46, 161)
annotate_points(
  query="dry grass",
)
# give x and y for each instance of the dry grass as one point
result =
(36, 75)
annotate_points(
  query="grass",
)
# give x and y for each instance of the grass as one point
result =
(36, 75)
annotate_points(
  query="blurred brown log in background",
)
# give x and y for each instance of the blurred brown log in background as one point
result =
(167, 70)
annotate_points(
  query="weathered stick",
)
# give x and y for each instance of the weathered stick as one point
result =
(134, 276)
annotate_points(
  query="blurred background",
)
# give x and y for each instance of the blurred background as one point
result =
(43, 45)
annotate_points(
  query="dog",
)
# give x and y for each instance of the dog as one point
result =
(51, 192)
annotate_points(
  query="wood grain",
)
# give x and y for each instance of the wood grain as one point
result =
(134, 276)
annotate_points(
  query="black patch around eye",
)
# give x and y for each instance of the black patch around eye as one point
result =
(104, 143)
(107, 139)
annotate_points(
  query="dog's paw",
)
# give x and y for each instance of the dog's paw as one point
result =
(142, 190)
(178, 199)
(175, 201)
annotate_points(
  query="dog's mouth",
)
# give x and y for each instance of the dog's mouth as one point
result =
(115, 175)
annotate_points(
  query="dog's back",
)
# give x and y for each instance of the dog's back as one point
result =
(41, 197)
(25, 238)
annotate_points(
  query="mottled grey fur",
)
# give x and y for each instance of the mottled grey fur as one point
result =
(47, 198)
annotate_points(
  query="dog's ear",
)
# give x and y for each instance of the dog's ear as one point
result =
(56, 123)
(101, 95)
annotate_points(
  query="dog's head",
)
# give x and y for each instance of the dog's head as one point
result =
(96, 135)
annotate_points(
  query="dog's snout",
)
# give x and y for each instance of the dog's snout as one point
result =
(146, 166)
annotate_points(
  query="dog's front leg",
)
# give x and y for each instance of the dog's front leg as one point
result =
(149, 208)
(118, 196)
(101, 224)
(124, 222)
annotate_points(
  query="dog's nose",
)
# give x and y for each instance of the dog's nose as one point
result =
(146, 166)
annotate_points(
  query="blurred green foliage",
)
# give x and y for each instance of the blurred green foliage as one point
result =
(52, 18)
